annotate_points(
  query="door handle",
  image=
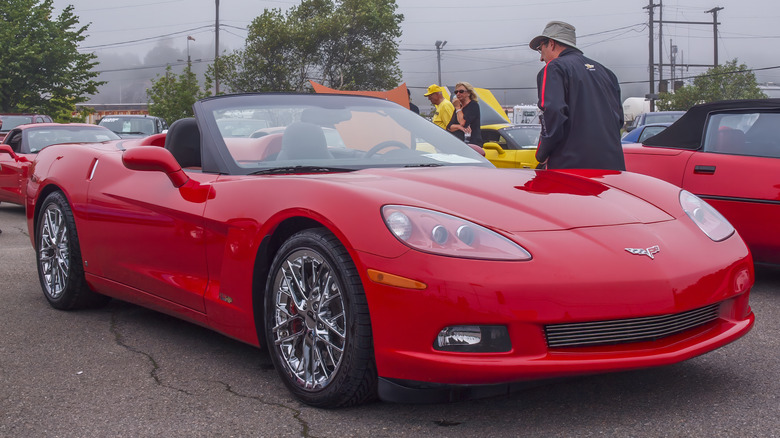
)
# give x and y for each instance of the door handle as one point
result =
(704, 170)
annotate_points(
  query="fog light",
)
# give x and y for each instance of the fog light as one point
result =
(473, 339)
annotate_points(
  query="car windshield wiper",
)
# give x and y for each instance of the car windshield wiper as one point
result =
(301, 169)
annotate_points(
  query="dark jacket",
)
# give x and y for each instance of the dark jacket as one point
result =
(472, 118)
(581, 114)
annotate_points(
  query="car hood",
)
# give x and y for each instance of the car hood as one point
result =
(510, 199)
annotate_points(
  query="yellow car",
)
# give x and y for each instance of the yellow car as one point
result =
(508, 145)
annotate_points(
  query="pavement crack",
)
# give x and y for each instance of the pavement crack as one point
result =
(306, 429)
(119, 339)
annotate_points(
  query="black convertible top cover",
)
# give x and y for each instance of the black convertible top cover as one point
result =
(687, 131)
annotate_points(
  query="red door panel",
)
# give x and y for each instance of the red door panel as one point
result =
(143, 233)
(12, 174)
(746, 190)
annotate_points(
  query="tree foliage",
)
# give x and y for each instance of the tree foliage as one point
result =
(171, 96)
(41, 69)
(728, 81)
(347, 44)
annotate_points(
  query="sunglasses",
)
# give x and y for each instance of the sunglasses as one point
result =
(461, 91)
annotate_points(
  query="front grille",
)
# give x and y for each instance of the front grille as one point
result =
(583, 334)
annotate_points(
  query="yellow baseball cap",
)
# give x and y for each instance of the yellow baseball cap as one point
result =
(432, 89)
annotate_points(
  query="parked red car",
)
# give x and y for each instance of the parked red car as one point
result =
(727, 153)
(11, 121)
(18, 150)
(397, 262)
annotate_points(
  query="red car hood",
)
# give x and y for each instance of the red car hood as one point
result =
(512, 200)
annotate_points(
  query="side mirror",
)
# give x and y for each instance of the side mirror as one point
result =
(155, 159)
(493, 146)
(4, 148)
(478, 149)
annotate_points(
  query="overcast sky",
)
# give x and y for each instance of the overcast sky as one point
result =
(487, 40)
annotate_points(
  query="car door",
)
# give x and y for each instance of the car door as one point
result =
(145, 233)
(501, 153)
(13, 171)
(738, 173)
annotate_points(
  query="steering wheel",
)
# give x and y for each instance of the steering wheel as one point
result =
(384, 145)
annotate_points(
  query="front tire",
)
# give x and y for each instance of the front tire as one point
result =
(60, 269)
(317, 324)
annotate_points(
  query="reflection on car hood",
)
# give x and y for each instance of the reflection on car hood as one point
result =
(511, 200)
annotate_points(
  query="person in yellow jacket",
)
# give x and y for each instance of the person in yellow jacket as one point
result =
(444, 108)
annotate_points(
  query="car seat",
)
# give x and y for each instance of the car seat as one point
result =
(183, 141)
(302, 141)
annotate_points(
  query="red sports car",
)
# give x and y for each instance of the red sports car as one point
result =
(22, 144)
(397, 262)
(727, 153)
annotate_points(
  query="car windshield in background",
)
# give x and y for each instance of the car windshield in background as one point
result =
(11, 122)
(231, 127)
(39, 138)
(332, 132)
(523, 137)
(661, 117)
(129, 125)
(650, 131)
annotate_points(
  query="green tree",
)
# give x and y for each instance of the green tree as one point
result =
(172, 96)
(41, 69)
(728, 81)
(361, 49)
(349, 44)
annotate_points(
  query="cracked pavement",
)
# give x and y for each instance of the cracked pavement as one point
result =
(124, 371)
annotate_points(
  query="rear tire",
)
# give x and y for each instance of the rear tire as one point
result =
(60, 268)
(317, 325)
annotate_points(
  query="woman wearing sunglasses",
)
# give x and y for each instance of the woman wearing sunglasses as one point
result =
(465, 122)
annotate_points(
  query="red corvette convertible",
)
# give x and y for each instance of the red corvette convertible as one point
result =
(23, 142)
(727, 153)
(396, 262)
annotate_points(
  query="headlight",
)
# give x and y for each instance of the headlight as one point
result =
(440, 233)
(714, 225)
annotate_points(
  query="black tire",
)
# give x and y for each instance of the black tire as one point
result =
(60, 268)
(317, 324)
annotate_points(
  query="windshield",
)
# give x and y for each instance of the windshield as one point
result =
(332, 132)
(523, 137)
(11, 122)
(129, 125)
(39, 138)
(662, 117)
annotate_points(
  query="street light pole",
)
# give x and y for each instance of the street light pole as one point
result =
(439, 45)
(189, 60)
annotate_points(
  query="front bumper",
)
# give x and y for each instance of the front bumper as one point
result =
(527, 296)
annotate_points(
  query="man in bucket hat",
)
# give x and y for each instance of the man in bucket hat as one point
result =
(444, 108)
(580, 101)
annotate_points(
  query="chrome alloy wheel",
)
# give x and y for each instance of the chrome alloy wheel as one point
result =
(310, 326)
(54, 251)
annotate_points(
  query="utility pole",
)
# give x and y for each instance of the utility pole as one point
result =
(714, 12)
(660, 40)
(439, 45)
(651, 62)
(216, 52)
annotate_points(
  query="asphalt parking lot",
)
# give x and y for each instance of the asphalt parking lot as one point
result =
(124, 371)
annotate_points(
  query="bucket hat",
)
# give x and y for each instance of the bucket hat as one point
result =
(558, 31)
(432, 89)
